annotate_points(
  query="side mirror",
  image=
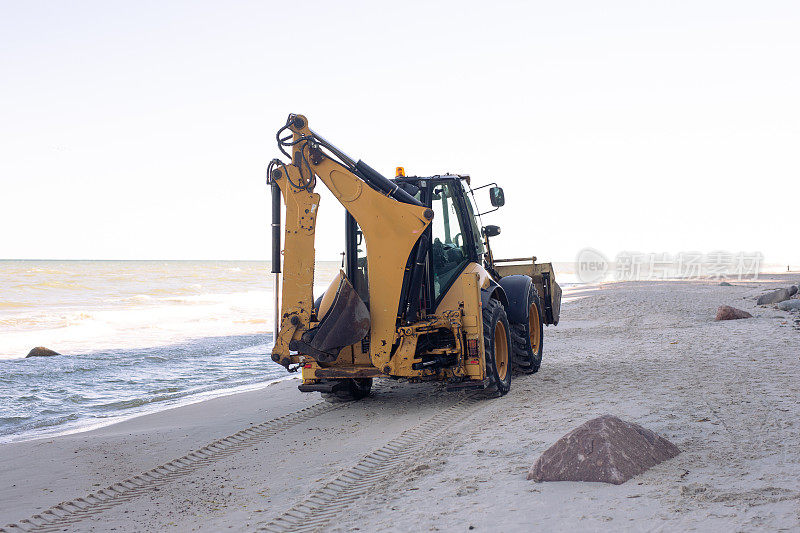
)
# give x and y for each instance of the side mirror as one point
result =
(491, 231)
(497, 197)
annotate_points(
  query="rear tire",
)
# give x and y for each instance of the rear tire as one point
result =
(497, 345)
(527, 337)
(348, 390)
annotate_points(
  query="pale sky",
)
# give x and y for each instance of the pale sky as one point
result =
(142, 130)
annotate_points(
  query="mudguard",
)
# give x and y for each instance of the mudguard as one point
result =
(493, 291)
(517, 288)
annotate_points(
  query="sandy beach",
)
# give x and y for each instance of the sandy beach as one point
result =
(413, 457)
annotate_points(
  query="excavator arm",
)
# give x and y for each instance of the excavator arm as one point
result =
(391, 220)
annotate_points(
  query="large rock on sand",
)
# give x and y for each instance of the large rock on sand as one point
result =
(41, 351)
(604, 449)
(789, 305)
(778, 295)
(726, 312)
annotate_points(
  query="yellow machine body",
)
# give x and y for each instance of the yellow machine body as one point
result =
(391, 229)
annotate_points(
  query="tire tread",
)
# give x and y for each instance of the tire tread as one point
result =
(494, 389)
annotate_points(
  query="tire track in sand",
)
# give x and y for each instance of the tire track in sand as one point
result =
(73, 511)
(320, 507)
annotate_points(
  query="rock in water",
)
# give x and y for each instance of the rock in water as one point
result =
(725, 284)
(789, 305)
(774, 297)
(604, 449)
(726, 312)
(41, 351)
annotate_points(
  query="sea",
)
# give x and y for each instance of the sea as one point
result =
(135, 337)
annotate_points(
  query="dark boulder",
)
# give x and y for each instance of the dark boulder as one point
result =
(776, 296)
(726, 312)
(604, 449)
(41, 351)
(725, 284)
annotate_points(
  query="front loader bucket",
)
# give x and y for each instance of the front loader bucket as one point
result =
(346, 323)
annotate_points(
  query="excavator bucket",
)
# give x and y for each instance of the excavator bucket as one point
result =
(346, 323)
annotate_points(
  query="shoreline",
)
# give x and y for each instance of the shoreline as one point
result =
(87, 425)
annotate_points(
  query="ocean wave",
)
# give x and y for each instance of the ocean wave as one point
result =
(55, 422)
(221, 297)
(78, 369)
(14, 305)
(71, 285)
(165, 390)
(12, 419)
(19, 321)
(16, 425)
(258, 349)
(136, 298)
(77, 398)
(131, 403)
(136, 327)
(45, 320)
(42, 270)
(127, 404)
(28, 398)
(174, 290)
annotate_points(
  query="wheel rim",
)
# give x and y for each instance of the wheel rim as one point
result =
(533, 326)
(501, 350)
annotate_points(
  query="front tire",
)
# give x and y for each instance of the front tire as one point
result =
(527, 337)
(497, 345)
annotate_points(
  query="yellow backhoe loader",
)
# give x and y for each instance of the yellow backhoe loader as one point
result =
(419, 295)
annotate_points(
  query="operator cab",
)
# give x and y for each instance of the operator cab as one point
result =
(452, 241)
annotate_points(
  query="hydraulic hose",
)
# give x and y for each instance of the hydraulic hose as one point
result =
(378, 181)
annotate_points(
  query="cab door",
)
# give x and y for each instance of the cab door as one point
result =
(449, 251)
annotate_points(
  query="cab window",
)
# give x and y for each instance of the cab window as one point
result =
(448, 252)
(476, 233)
